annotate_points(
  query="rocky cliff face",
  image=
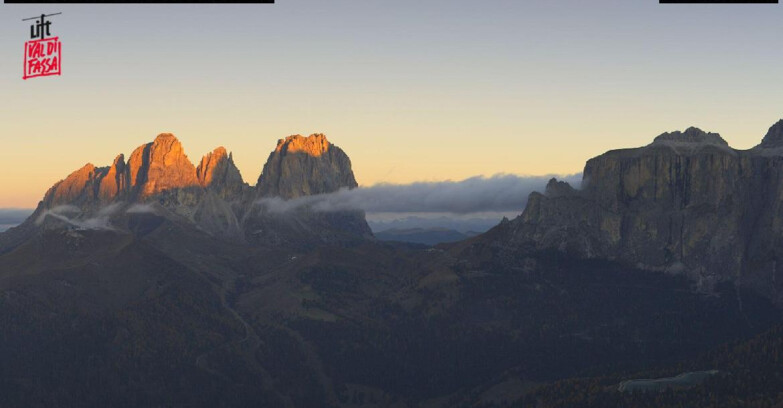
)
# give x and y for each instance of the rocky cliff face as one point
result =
(114, 181)
(686, 203)
(78, 188)
(217, 172)
(159, 166)
(212, 196)
(773, 138)
(152, 169)
(302, 166)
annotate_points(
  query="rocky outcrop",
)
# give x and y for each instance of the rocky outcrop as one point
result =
(212, 197)
(159, 166)
(301, 166)
(153, 168)
(114, 181)
(774, 137)
(686, 203)
(218, 173)
(76, 189)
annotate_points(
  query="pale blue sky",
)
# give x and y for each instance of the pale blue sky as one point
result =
(412, 90)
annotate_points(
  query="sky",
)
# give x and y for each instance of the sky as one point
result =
(412, 90)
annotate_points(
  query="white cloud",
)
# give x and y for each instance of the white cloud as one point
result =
(70, 215)
(499, 193)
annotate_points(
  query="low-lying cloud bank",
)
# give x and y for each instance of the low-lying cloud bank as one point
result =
(473, 204)
(499, 193)
(69, 214)
(101, 220)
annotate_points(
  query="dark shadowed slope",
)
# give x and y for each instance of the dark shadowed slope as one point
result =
(184, 293)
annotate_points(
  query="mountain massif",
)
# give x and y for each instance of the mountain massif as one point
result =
(154, 282)
(685, 204)
(160, 179)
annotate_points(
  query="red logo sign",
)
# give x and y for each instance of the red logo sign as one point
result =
(42, 57)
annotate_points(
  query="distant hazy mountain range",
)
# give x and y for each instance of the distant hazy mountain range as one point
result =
(480, 222)
(11, 217)
(155, 282)
(427, 236)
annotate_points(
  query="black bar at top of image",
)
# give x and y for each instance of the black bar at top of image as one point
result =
(139, 2)
(718, 1)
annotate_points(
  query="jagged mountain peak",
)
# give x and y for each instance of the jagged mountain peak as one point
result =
(774, 136)
(209, 161)
(71, 188)
(88, 167)
(151, 169)
(166, 150)
(119, 160)
(556, 188)
(218, 173)
(302, 166)
(219, 151)
(114, 181)
(161, 165)
(212, 197)
(313, 145)
(165, 138)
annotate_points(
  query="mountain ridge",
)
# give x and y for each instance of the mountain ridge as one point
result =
(212, 196)
(186, 298)
(687, 203)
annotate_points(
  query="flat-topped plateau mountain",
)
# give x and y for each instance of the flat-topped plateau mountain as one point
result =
(685, 204)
